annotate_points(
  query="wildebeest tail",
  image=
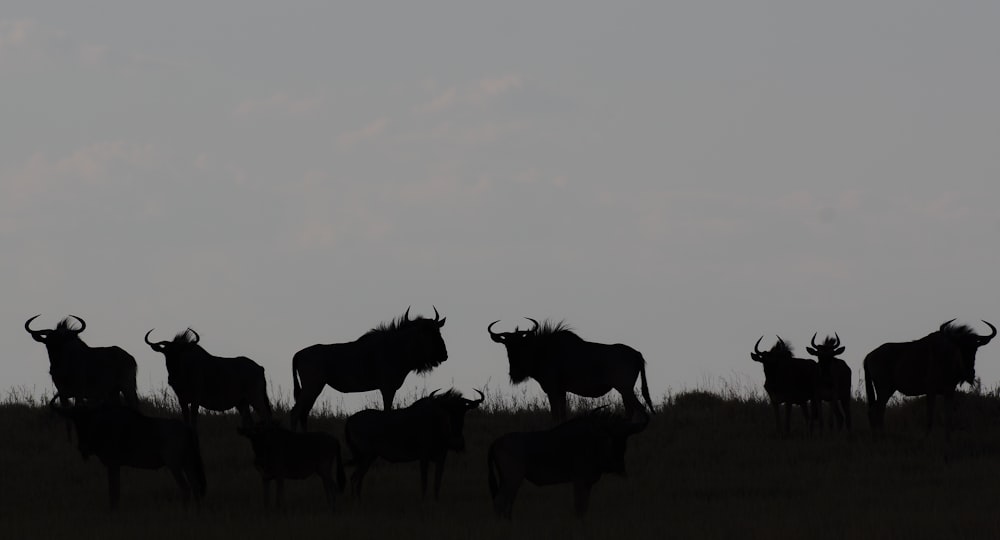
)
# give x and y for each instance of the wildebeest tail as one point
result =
(491, 466)
(869, 385)
(296, 385)
(645, 385)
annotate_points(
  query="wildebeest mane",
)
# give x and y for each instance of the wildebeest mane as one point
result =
(66, 325)
(551, 328)
(782, 347)
(958, 332)
(185, 337)
(393, 325)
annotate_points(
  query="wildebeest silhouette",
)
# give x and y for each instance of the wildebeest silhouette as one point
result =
(934, 364)
(200, 379)
(280, 453)
(577, 451)
(425, 432)
(561, 361)
(379, 360)
(122, 437)
(834, 379)
(789, 380)
(84, 373)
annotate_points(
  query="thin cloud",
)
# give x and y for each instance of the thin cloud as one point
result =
(369, 132)
(279, 103)
(478, 93)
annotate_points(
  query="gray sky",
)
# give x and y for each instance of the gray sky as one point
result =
(678, 176)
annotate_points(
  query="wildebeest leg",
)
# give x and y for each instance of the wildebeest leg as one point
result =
(438, 473)
(244, 410)
(182, 483)
(185, 412)
(631, 403)
(581, 496)
(114, 485)
(424, 463)
(388, 394)
(557, 402)
(361, 466)
(329, 488)
(304, 403)
(503, 503)
(280, 496)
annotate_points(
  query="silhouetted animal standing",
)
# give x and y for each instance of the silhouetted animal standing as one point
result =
(561, 362)
(280, 453)
(215, 383)
(83, 373)
(121, 437)
(788, 380)
(425, 432)
(934, 364)
(834, 379)
(379, 360)
(578, 451)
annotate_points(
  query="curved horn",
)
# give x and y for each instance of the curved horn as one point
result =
(146, 339)
(197, 338)
(406, 314)
(756, 346)
(436, 316)
(27, 325)
(993, 333)
(781, 340)
(946, 323)
(533, 322)
(434, 392)
(836, 335)
(482, 397)
(490, 328)
(83, 324)
(814, 340)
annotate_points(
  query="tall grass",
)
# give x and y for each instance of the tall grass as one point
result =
(708, 466)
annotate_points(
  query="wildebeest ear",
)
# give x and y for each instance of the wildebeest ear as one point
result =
(838, 351)
(812, 351)
(441, 322)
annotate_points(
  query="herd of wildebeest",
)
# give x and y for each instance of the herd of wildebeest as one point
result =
(96, 391)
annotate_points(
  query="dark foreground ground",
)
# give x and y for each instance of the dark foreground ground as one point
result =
(707, 467)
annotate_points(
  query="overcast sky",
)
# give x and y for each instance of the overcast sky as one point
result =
(680, 176)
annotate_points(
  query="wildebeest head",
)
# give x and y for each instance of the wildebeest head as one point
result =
(968, 343)
(779, 351)
(58, 339)
(454, 406)
(828, 349)
(184, 344)
(417, 341)
(525, 348)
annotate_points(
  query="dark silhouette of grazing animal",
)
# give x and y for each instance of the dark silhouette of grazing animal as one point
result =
(215, 383)
(788, 380)
(281, 454)
(578, 451)
(425, 432)
(84, 373)
(122, 437)
(834, 379)
(934, 364)
(379, 360)
(561, 362)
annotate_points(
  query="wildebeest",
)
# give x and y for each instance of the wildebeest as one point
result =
(789, 380)
(834, 378)
(215, 383)
(553, 355)
(122, 437)
(379, 360)
(934, 364)
(578, 451)
(83, 373)
(280, 453)
(425, 432)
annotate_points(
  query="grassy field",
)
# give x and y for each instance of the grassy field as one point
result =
(707, 467)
